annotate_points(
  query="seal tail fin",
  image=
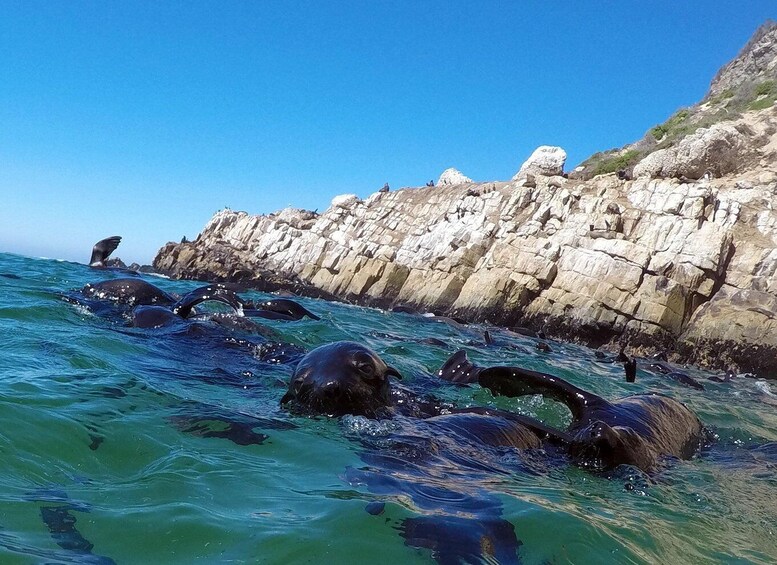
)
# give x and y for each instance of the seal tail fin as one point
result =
(459, 369)
(103, 249)
(211, 292)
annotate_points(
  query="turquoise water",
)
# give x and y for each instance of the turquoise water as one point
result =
(105, 459)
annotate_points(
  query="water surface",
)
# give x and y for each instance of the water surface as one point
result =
(102, 430)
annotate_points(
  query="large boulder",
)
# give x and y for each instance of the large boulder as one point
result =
(345, 200)
(546, 160)
(452, 176)
(719, 148)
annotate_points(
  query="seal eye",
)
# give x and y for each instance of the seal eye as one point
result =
(366, 369)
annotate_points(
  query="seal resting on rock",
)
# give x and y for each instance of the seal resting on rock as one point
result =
(637, 430)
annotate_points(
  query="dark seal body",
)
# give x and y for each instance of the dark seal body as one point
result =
(637, 430)
(348, 378)
(131, 291)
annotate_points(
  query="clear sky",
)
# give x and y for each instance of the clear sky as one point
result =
(141, 119)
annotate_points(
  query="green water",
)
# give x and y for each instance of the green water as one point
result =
(93, 425)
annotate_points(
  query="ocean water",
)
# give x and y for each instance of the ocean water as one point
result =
(166, 446)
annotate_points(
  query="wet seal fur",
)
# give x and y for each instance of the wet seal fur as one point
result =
(637, 430)
(341, 378)
(463, 523)
(132, 291)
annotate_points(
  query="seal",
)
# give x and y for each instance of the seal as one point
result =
(278, 309)
(340, 378)
(346, 377)
(419, 456)
(102, 250)
(132, 291)
(637, 430)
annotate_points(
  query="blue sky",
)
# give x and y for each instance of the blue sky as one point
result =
(141, 119)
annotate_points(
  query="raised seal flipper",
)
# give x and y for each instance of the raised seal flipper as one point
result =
(458, 369)
(517, 381)
(103, 249)
(217, 293)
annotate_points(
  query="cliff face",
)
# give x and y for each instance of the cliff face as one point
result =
(757, 61)
(682, 258)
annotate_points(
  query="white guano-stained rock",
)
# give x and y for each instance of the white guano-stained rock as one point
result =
(344, 201)
(669, 261)
(546, 160)
(452, 176)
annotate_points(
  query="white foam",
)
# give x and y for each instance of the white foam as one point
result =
(366, 426)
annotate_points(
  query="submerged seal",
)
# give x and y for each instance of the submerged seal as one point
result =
(637, 430)
(133, 291)
(154, 316)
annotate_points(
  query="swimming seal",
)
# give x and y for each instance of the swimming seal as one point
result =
(132, 291)
(102, 250)
(278, 309)
(346, 377)
(637, 430)
(341, 378)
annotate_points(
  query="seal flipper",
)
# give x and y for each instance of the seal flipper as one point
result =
(630, 366)
(283, 308)
(458, 369)
(516, 381)
(211, 292)
(103, 249)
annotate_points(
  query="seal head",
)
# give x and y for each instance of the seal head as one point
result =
(341, 378)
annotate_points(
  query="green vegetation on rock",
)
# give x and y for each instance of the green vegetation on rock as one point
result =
(765, 95)
(671, 126)
(611, 163)
(724, 96)
(765, 88)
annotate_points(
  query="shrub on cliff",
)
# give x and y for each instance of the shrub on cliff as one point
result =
(613, 163)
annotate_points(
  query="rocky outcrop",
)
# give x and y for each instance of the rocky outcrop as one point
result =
(545, 160)
(719, 150)
(747, 83)
(657, 262)
(674, 259)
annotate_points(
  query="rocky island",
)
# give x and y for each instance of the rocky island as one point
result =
(668, 244)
